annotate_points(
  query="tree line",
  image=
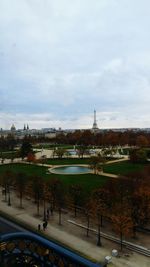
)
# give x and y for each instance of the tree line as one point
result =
(105, 138)
(79, 137)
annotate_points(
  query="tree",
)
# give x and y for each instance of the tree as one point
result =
(99, 209)
(88, 209)
(96, 163)
(37, 189)
(60, 199)
(25, 149)
(142, 141)
(7, 182)
(122, 223)
(60, 152)
(139, 184)
(20, 183)
(2, 145)
(45, 197)
(11, 142)
(138, 156)
(81, 150)
(31, 157)
(75, 195)
(86, 138)
(121, 210)
(53, 186)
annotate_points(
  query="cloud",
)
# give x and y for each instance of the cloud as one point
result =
(66, 58)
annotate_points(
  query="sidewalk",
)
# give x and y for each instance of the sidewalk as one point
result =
(75, 239)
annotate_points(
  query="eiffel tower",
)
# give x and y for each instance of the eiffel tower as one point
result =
(95, 126)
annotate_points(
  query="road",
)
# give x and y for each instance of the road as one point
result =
(7, 226)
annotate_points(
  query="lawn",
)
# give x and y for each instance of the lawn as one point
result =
(52, 146)
(123, 167)
(66, 161)
(9, 154)
(87, 181)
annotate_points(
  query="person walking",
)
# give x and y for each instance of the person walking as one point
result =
(45, 225)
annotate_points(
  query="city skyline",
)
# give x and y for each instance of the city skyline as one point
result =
(60, 60)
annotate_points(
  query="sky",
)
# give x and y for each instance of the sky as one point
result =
(61, 59)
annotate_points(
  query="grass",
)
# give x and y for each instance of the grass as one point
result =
(51, 146)
(9, 154)
(88, 182)
(123, 167)
(66, 161)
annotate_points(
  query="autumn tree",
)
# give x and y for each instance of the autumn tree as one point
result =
(96, 163)
(53, 188)
(121, 210)
(99, 209)
(60, 152)
(142, 141)
(37, 189)
(122, 222)
(76, 193)
(20, 184)
(45, 197)
(7, 182)
(81, 150)
(31, 157)
(138, 188)
(25, 149)
(88, 212)
(93, 163)
(138, 156)
(60, 199)
(2, 145)
(86, 138)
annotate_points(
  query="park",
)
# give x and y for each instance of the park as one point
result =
(84, 201)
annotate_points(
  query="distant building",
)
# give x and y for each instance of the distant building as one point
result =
(95, 126)
(51, 135)
(13, 128)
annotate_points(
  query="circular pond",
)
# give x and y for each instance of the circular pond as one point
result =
(70, 170)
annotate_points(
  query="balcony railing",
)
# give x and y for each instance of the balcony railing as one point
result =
(25, 249)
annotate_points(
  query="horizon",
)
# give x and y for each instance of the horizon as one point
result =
(65, 129)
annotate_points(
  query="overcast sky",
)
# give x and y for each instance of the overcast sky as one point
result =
(61, 59)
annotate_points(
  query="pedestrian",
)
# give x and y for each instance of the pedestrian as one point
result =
(47, 214)
(51, 211)
(39, 227)
(47, 211)
(44, 225)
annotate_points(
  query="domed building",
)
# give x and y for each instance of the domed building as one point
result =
(13, 128)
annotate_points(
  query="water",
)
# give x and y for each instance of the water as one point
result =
(72, 152)
(71, 170)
